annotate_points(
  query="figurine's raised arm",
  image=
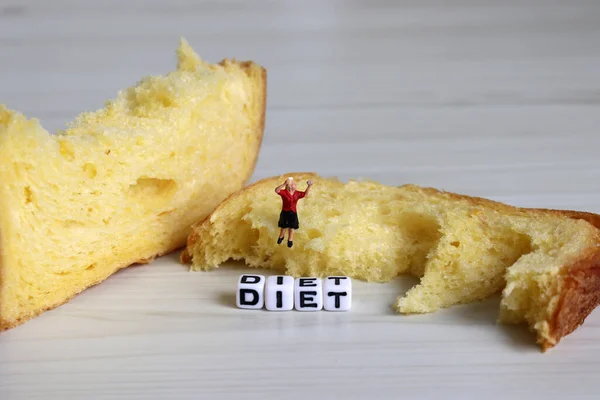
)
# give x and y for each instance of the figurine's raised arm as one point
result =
(309, 183)
(280, 187)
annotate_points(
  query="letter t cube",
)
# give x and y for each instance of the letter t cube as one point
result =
(337, 293)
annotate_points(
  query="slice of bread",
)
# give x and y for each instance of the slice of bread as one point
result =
(463, 248)
(122, 184)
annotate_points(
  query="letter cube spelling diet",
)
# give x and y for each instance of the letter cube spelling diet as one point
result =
(284, 293)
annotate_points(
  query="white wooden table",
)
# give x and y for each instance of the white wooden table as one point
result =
(487, 98)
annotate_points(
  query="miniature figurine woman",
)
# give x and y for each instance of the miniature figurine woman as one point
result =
(288, 219)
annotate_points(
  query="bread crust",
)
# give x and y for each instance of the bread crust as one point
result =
(580, 293)
(248, 67)
(579, 296)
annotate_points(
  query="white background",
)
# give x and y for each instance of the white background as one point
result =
(487, 98)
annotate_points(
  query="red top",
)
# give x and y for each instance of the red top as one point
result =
(289, 199)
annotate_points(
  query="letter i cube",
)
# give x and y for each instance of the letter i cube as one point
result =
(337, 293)
(250, 292)
(308, 294)
(279, 293)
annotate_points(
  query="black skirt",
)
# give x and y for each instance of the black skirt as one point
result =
(288, 219)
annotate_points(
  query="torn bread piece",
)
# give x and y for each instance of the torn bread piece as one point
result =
(545, 262)
(122, 184)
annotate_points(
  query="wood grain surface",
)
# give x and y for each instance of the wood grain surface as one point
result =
(486, 98)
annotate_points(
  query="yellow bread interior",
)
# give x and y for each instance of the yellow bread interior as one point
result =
(122, 184)
(463, 249)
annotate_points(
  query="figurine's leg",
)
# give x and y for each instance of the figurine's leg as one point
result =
(281, 235)
(290, 237)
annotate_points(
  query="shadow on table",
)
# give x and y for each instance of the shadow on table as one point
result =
(486, 312)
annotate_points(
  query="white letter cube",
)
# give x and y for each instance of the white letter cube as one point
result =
(308, 294)
(279, 293)
(337, 293)
(250, 292)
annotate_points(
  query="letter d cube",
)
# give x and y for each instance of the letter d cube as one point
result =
(250, 292)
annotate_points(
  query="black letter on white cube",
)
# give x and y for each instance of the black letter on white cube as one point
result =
(308, 294)
(338, 293)
(250, 278)
(279, 293)
(250, 292)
